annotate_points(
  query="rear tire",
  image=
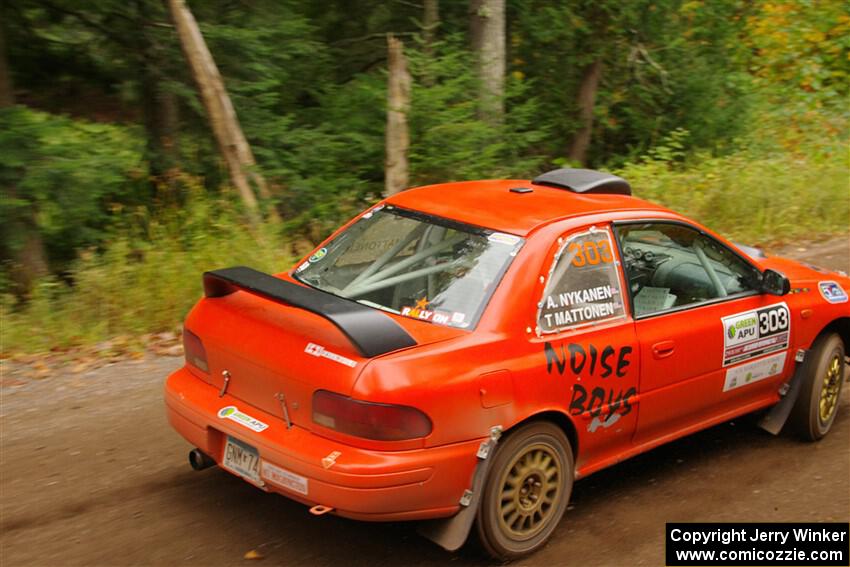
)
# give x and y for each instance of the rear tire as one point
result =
(526, 491)
(820, 394)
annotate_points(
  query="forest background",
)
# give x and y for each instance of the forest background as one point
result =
(116, 195)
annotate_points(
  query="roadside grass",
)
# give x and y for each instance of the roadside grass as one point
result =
(148, 277)
(754, 197)
(145, 281)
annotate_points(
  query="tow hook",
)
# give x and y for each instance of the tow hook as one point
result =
(200, 460)
(320, 510)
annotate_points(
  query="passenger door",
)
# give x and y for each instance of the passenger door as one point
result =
(587, 340)
(709, 340)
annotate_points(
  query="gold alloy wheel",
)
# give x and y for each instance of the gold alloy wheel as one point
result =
(531, 490)
(830, 388)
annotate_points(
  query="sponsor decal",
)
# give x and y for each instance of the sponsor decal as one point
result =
(302, 267)
(754, 371)
(832, 292)
(419, 311)
(321, 352)
(426, 315)
(318, 255)
(502, 238)
(755, 333)
(284, 478)
(330, 460)
(232, 413)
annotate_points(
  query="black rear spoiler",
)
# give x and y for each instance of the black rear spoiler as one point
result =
(371, 331)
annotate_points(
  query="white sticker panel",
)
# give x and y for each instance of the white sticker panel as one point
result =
(754, 371)
(284, 478)
(752, 334)
(503, 238)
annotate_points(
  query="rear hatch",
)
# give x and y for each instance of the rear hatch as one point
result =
(272, 350)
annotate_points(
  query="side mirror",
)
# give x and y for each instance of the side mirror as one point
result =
(774, 283)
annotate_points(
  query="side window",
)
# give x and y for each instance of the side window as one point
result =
(670, 265)
(583, 285)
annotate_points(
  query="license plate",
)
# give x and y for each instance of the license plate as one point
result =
(243, 459)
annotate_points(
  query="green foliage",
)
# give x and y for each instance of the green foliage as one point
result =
(67, 174)
(448, 139)
(731, 111)
(146, 279)
(752, 195)
(326, 172)
(265, 55)
(665, 65)
(803, 49)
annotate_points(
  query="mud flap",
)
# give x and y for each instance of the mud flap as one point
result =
(451, 533)
(773, 420)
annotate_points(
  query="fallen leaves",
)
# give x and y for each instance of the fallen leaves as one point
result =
(81, 360)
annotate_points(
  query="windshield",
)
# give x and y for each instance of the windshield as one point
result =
(412, 264)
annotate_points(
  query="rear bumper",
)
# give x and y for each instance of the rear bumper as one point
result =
(361, 484)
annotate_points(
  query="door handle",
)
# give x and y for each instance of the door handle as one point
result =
(663, 349)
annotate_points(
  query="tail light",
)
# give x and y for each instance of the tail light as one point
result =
(381, 422)
(194, 350)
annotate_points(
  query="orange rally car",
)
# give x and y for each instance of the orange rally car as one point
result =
(461, 353)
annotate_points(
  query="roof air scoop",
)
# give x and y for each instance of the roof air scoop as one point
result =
(584, 181)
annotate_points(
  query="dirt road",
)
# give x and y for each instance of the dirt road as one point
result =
(91, 474)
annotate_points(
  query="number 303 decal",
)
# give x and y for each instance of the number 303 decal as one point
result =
(773, 320)
(590, 253)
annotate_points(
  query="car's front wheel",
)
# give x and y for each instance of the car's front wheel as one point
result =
(820, 394)
(526, 491)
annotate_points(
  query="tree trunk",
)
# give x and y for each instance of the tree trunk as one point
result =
(398, 104)
(7, 94)
(225, 125)
(25, 248)
(29, 259)
(161, 120)
(487, 28)
(430, 22)
(586, 101)
(159, 107)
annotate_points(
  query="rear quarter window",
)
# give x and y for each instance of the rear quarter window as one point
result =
(583, 286)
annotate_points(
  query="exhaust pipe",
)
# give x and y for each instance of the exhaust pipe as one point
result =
(200, 460)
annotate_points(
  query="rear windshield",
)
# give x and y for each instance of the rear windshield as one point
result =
(412, 264)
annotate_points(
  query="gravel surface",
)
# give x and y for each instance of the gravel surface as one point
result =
(91, 474)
